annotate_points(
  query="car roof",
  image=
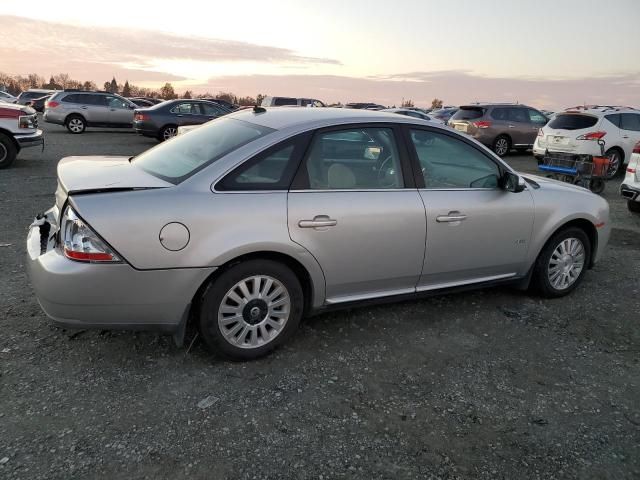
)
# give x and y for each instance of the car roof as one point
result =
(599, 110)
(280, 118)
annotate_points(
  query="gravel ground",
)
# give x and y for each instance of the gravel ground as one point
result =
(493, 384)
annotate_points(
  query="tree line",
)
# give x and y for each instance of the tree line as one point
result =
(16, 84)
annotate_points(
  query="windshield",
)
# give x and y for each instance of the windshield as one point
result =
(182, 156)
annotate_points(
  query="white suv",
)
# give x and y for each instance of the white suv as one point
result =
(630, 188)
(577, 131)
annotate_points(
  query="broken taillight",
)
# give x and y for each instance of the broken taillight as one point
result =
(82, 244)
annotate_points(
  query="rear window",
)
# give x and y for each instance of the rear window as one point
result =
(183, 156)
(572, 121)
(281, 101)
(467, 113)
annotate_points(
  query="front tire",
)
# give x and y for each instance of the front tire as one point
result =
(616, 159)
(251, 309)
(8, 151)
(562, 263)
(76, 124)
(633, 206)
(501, 145)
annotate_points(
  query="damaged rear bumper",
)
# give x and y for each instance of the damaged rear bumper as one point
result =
(106, 296)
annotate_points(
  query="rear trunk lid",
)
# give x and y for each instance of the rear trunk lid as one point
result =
(100, 174)
(464, 120)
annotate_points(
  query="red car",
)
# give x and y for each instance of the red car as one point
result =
(18, 129)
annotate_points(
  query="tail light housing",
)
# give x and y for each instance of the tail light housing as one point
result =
(141, 116)
(591, 136)
(482, 124)
(540, 133)
(636, 148)
(81, 243)
(51, 104)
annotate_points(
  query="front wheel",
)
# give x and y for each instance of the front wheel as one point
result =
(251, 309)
(615, 163)
(8, 151)
(561, 265)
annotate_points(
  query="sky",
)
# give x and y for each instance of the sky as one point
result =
(549, 54)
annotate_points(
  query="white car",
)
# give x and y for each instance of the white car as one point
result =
(577, 131)
(7, 97)
(630, 188)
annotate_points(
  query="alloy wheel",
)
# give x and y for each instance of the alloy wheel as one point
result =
(76, 125)
(502, 146)
(254, 311)
(566, 263)
(614, 164)
(169, 132)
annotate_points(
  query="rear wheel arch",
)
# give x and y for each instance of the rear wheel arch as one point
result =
(300, 271)
(72, 115)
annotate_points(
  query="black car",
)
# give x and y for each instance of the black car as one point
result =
(25, 97)
(38, 103)
(162, 121)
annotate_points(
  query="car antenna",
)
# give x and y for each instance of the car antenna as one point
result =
(258, 109)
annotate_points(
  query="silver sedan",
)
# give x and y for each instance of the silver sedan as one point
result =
(252, 221)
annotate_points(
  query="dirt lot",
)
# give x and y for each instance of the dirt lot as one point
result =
(491, 384)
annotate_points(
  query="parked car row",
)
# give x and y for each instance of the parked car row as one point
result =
(78, 110)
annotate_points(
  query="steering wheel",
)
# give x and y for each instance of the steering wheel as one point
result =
(387, 175)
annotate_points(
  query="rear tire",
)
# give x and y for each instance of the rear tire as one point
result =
(633, 206)
(562, 263)
(251, 309)
(76, 124)
(616, 159)
(167, 132)
(501, 145)
(8, 151)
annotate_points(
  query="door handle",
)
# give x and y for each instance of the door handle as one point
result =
(318, 221)
(511, 126)
(451, 217)
(84, 108)
(179, 115)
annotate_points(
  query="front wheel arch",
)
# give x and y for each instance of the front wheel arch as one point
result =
(584, 225)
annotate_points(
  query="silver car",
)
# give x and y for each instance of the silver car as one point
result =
(254, 220)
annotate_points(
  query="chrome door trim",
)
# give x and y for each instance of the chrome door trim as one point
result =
(369, 296)
(439, 286)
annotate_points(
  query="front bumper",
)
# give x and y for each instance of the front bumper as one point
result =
(630, 192)
(106, 296)
(30, 139)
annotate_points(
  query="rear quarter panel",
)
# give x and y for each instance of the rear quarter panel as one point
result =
(222, 226)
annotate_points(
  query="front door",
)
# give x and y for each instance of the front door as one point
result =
(519, 127)
(476, 231)
(536, 121)
(350, 209)
(120, 112)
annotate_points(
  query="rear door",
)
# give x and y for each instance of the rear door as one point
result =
(210, 111)
(94, 108)
(519, 127)
(630, 130)
(187, 113)
(354, 208)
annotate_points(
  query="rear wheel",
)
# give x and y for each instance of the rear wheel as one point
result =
(168, 132)
(251, 309)
(615, 162)
(8, 151)
(633, 206)
(561, 265)
(501, 145)
(76, 124)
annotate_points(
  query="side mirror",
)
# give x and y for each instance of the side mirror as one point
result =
(512, 182)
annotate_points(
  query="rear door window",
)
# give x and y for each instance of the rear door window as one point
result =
(630, 121)
(209, 109)
(572, 121)
(186, 108)
(500, 113)
(518, 115)
(615, 119)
